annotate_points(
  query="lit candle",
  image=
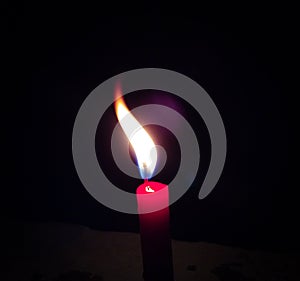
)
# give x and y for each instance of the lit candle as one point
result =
(154, 225)
(155, 232)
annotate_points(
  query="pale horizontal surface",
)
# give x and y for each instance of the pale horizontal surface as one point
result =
(51, 249)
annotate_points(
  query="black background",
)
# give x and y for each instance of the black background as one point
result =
(58, 54)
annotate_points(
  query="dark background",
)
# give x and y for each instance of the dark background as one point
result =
(58, 54)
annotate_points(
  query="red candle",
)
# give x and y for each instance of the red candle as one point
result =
(154, 225)
(155, 231)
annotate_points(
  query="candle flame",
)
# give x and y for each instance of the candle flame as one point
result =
(139, 139)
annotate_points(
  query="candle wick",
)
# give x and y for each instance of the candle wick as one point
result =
(146, 180)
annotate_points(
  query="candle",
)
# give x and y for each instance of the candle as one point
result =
(154, 231)
(154, 220)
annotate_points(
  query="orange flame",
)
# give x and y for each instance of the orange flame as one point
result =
(139, 139)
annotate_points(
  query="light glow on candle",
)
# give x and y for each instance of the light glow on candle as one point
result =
(149, 189)
(139, 139)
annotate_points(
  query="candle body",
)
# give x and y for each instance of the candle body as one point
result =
(155, 231)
